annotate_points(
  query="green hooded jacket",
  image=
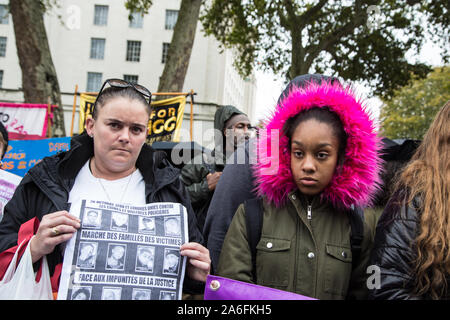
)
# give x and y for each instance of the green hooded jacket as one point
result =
(309, 256)
(305, 244)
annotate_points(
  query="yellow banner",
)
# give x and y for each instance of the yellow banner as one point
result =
(86, 104)
(165, 119)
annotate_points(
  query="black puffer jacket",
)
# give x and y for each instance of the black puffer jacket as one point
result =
(45, 189)
(394, 250)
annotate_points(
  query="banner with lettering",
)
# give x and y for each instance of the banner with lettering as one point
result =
(125, 252)
(24, 121)
(24, 154)
(165, 120)
(86, 104)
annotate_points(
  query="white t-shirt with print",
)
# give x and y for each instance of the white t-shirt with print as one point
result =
(127, 190)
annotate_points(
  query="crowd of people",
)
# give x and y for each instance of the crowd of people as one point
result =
(316, 205)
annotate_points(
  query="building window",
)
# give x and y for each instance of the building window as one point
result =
(131, 78)
(97, 48)
(101, 15)
(1, 78)
(165, 50)
(137, 20)
(171, 19)
(133, 50)
(4, 14)
(2, 46)
(94, 82)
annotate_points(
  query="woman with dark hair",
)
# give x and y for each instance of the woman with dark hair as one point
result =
(109, 161)
(317, 161)
(412, 241)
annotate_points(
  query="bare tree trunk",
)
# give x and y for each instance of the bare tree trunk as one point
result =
(298, 65)
(39, 80)
(179, 54)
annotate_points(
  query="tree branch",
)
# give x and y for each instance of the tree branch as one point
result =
(336, 35)
(284, 22)
(292, 17)
(310, 14)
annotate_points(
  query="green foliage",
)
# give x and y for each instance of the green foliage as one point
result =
(141, 6)
(342, 38)
(412, 108)
(50, 4)
(138, 5)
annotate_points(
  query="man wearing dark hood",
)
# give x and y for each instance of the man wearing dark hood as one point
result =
(232, 127)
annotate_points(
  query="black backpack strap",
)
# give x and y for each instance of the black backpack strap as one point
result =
(253, 220)
(356, 218)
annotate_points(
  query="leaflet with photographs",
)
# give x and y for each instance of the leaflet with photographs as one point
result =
(125, 252)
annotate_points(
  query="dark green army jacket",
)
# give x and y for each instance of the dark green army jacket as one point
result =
(301, 252)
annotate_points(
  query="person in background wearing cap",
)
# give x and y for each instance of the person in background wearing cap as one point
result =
(232, 127)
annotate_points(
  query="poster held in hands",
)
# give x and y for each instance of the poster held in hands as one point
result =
(125, 252)
(8, 184)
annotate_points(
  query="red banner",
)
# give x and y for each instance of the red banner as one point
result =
(25, 121)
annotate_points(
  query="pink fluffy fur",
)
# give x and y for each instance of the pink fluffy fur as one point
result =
(356, 182)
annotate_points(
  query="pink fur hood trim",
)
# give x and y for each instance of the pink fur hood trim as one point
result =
(356, 182)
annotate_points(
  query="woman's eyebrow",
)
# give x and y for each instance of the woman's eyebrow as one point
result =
(320, 145)
(324, 144)
(126, 123)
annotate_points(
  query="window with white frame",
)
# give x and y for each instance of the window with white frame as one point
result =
(4, 14)
(137, 20)
(100, 15)
(171, 19)
(2, 46)
(165, 50)
(1, 78)
(133, 51)
(97, 48)
(94, 81)
(131, 78)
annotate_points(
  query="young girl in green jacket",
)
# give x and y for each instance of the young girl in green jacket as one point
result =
(317, 161)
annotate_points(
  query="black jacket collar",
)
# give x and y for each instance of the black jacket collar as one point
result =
(82, 149)
(61, 170)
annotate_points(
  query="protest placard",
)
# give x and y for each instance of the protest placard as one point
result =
(125, 252)
(22, 155)
(86, 104)
(25, 120)
(165, 120)
(8, 184)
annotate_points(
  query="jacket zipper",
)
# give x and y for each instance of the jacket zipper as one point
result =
(297, 244)
(309, 217)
